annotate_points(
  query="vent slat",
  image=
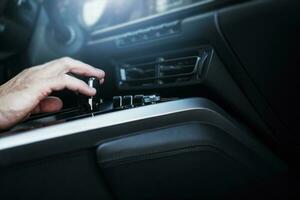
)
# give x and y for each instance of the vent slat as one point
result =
(161, 71)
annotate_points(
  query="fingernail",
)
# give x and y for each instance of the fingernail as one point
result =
(101, 71)
(94, 90)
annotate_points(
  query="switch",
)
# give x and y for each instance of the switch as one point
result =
(151, 99)
(138, 100)
(117, 102)
(127, 101)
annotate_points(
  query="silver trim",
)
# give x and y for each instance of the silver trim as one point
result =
(18, 147)
(199, 109)
(110, 119)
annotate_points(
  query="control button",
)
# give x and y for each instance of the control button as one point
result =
(133, 39)
(151, 33)
(138, 100)
(139, 36)
(121, 42)
(145, 36)
(156, 31)
(117, 102)
(127, 101)
(151, 99)
(172, 27)
(157, 34)
(171, 31)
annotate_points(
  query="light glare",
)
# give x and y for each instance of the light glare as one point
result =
(93, 11)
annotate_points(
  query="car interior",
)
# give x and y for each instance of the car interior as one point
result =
(199, 101)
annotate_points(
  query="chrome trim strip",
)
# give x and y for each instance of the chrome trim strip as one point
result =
(110, 119)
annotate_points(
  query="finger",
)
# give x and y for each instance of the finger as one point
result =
(102, 81)
(80, 68)
(73, 84)
(49, 104)
(36, 110)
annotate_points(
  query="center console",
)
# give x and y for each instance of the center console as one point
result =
(187, 139)
(173, 120)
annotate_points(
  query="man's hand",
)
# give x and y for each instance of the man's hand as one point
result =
(29, 91)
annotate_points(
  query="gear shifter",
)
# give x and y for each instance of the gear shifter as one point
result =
(94, 101)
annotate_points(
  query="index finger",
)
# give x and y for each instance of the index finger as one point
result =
(81, 68)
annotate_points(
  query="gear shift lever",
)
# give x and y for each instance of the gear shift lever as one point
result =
(94, 101)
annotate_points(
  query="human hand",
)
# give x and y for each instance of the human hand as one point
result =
(29, 91)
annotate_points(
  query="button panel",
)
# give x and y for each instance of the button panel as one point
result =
(151, 33)
(130, 101)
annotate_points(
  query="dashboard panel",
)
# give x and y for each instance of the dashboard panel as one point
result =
(123, 11)
(180, 56)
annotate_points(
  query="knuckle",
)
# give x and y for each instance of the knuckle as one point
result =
(103, 73)
(66, 59)
(66, 62)
(26, 70)
(81, 84)
(64, 78)
(34, 69)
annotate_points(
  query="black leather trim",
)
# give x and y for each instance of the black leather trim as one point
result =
(178, 139)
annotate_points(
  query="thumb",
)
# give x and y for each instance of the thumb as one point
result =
(49, 104)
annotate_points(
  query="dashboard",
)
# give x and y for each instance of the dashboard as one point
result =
(145, 47)
(177, 72)
(104, 13)
(123, 11)
(131, 76)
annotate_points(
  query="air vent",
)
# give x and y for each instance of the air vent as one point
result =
(158, 71)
